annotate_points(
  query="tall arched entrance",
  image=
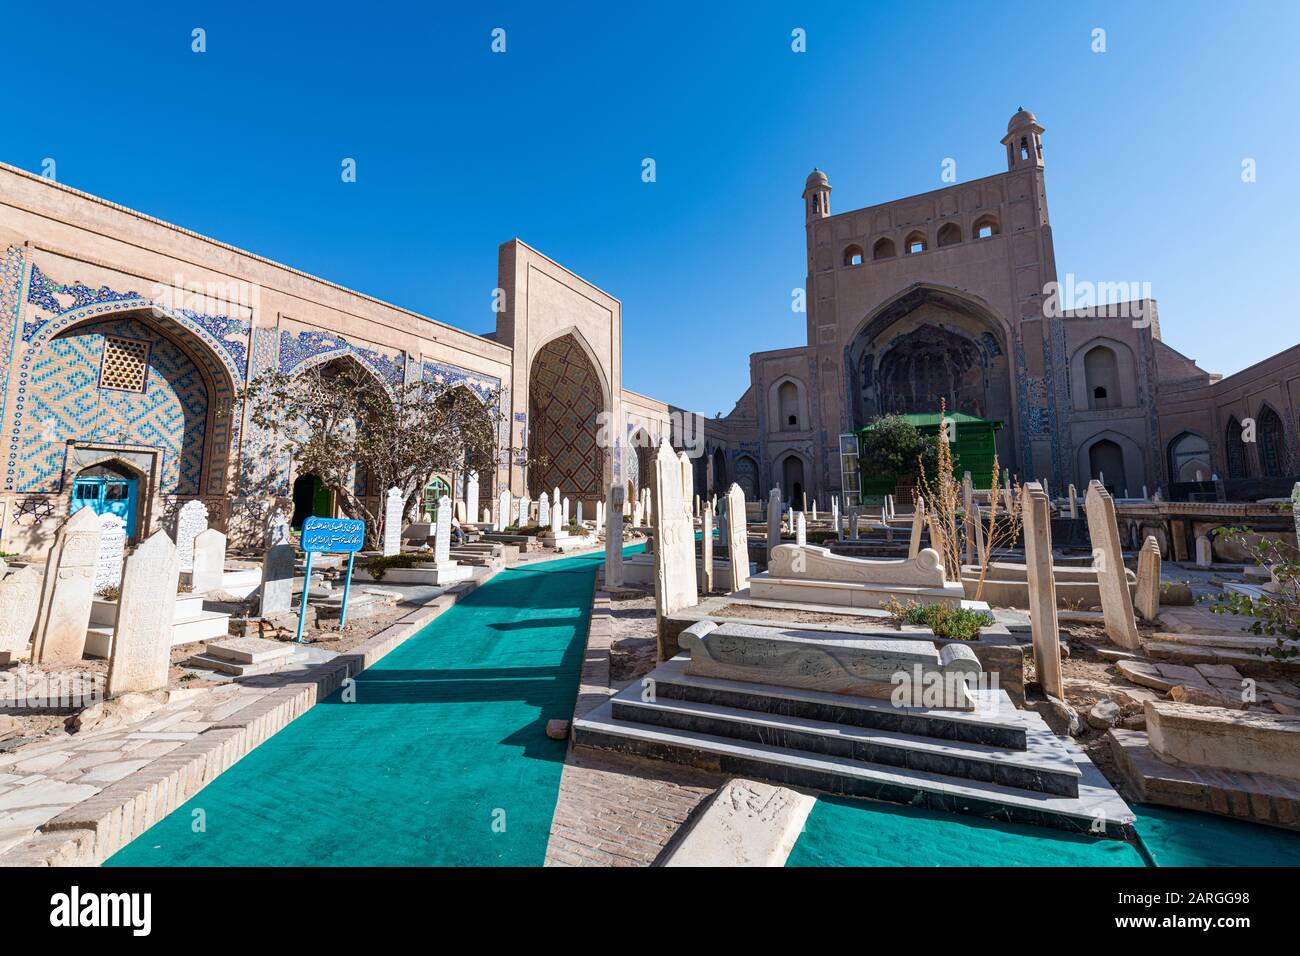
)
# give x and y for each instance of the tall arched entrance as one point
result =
(1106, 461)
(565, 400)
(930, 345)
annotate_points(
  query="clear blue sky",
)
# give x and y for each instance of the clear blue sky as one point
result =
(459, 149)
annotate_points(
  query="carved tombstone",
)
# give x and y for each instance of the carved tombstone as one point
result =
(544, 510)
(393, 522)
(1295, 511)
(1108, 559)
(614, 536)
(737, 537)
(773, 519)
(674, 539)
(471, 495)
(442, 536)
(557, 518)
(977, 516)
(1074, 502)
(190, 521)
(20, 596)
(67, 591)
(706, 551)
(918, 525)
(525, 510)
(800, 529)
(112, 551)
(1044, 626)
(503, 509)
(1148, 584)
(277, 567)
(142, 636)
(1204, 552)
(564, 515)
(209, 561)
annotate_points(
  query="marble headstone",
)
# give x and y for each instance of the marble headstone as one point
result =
(503, 509)
(737, 537)
(1044, 626)
(614, 536)
(20, 596)
(674, 538)
(471, 494)
(544, 510)
(112, 551)
(393, 522)
(67, 591)
(192, 519)
(142, 636)
(442, 537)
(209, 561)
(1147, 602)
(773, 519)
(277, 567)
(1108, 559)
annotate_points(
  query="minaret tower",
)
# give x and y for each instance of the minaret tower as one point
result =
(1024, 141)
(816, 205)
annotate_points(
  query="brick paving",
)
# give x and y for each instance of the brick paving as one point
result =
(616, 810)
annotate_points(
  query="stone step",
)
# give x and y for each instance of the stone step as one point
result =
(249, 650)
(994, 722)
(1097, 809)
(212, 662)
(1044, 767)
(203, 626)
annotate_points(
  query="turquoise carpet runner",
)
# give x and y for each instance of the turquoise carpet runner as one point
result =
(443, 758)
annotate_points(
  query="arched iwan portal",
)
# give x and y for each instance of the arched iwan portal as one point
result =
(564, 404)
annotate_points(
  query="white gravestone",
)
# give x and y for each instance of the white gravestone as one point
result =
(564, 514)
(471, 494)
(525, 507)
(614, 537)
(112, 551)
(442, 537)
(1295, 511)
(544, 510)
(1108, 558)
(706, 551)
(192, 519)
(277, 567)
(209, 561)
(503, 509)
(579, 511)
(1044, 626)
(20, 596)
(800, 529)
(773, 519)
(393, 522)
(557, 518)
(674, 539)
(918, 524)
(142, 636)
(1147, 603)
(67, 591)
(737, 537)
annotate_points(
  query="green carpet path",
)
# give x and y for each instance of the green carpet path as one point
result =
(844, 832)
(442, 759)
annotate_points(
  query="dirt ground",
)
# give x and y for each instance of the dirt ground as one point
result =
(794, 616)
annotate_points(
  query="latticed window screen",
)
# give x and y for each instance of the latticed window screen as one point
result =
(125, 365)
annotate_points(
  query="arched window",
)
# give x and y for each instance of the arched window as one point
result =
(787, 401)
(915, 243)
(949, 234)
(1106, 459)
(883, 249)
(986, 226)
(1273, 457)
(1235, 450)
(1101, 373)
(853, 255)
(1189, 455)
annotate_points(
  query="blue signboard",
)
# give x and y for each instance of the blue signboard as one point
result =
(333, 535)
(330, 536)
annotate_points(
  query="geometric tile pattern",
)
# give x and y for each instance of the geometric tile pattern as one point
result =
(314, 347)
(441, 373)
(564, 402)
(65, 402)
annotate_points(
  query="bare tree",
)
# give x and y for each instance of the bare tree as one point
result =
(360, 437)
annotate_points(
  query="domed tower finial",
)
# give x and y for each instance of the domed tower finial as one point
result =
(817, 196)
(1024, 141)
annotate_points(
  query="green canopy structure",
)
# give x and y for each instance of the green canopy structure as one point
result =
(974, 446)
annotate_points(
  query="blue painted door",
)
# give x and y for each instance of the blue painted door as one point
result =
(114, 495)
